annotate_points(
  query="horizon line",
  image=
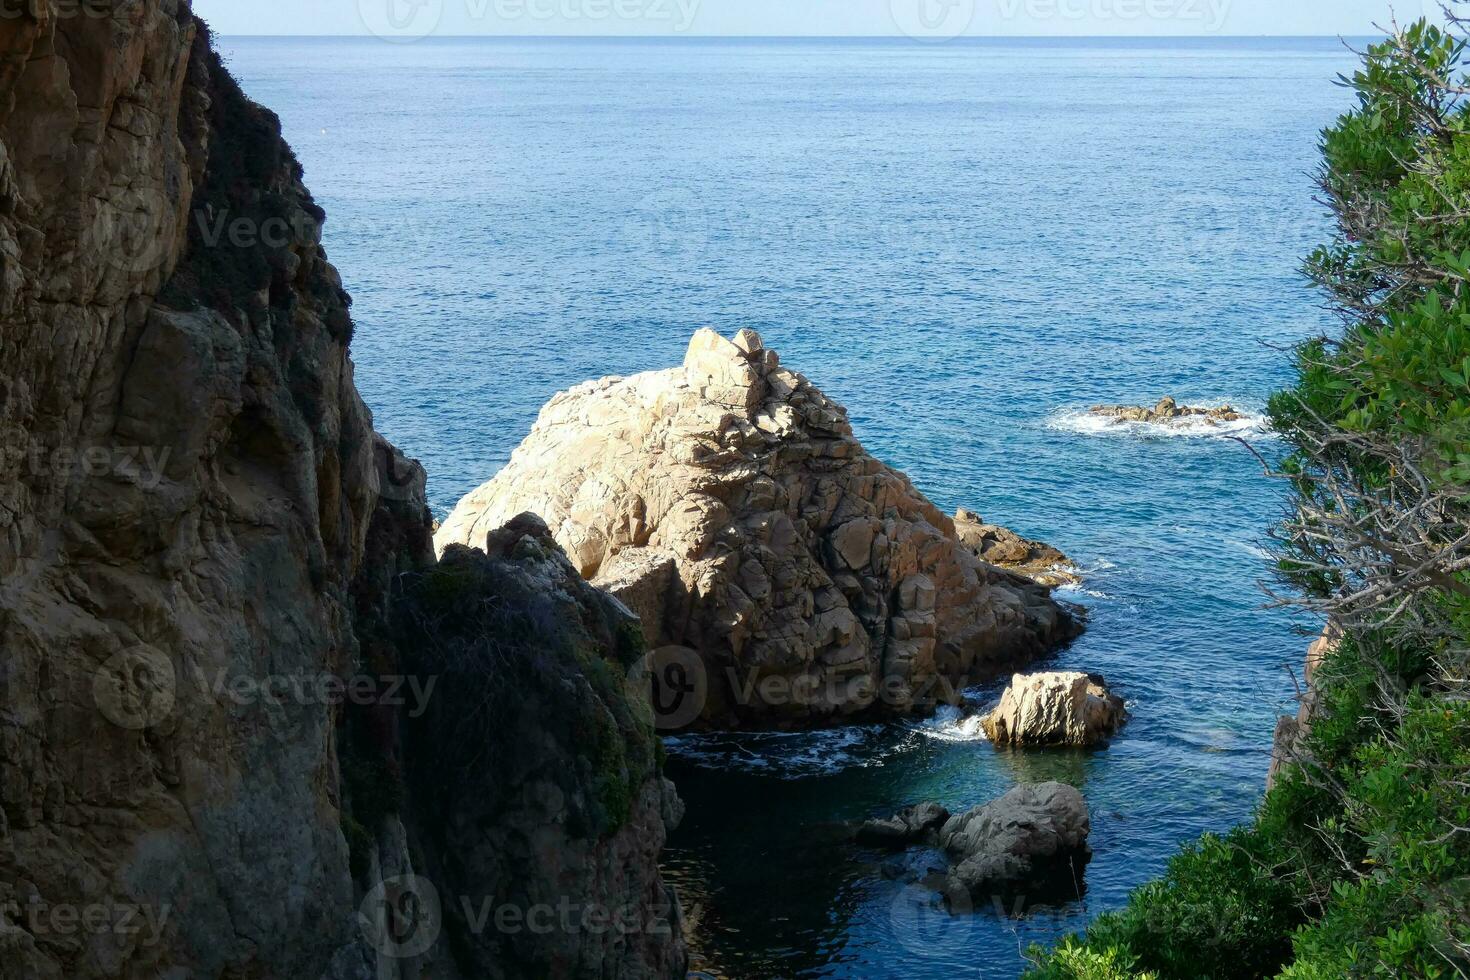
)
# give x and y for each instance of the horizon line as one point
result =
(822, 37)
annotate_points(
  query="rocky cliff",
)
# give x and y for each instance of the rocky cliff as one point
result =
(220, 740)
(728, 502)
(1291, 730)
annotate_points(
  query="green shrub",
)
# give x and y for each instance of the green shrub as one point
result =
(1357, 869)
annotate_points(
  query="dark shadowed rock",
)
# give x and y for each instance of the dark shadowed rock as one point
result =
(1032, 840)
(1033, 837)
(911, 825)
(536, 776)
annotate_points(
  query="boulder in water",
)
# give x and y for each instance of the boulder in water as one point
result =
(1035, 836)
(1055, 709)
(916, 824)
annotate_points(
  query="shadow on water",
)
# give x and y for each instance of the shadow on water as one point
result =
(1068, 766)
(774, 886)
(727, 853)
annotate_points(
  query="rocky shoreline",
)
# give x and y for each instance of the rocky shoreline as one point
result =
(1004, 548)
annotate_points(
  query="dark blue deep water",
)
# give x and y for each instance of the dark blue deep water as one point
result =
(964, 244)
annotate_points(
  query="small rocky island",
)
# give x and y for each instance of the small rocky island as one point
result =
(1167, 410)
(728, 503)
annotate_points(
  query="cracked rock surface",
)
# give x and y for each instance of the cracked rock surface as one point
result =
(728, 501)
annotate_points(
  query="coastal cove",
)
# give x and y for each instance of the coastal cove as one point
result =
(966, 277)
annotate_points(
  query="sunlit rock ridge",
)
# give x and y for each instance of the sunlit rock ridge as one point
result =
(729, 504)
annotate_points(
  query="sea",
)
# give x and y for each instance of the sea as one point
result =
(967, 244)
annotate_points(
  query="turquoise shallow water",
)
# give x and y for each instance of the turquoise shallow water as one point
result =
(964, 244)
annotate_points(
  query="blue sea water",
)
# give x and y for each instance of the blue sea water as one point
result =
(965, 244)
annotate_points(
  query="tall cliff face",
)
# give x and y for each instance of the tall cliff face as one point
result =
(200, 536)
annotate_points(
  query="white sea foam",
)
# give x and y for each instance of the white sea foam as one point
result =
(1076, 592)
(785, 755)
(1251, 548)
(1252, 425)
(951, 725)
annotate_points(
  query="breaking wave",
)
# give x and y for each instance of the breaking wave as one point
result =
(952, 725)
(1082, 422)
(785, 755)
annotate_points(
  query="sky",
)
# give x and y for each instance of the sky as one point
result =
(923, 19)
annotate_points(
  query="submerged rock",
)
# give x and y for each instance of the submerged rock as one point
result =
(1005, 548)
(812, 581)
(1055, 709)
(1167, 410)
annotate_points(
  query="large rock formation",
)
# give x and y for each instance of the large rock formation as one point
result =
(1055, 709)
(729, 503)
(199, 534)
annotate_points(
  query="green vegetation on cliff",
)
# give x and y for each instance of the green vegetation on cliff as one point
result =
(1358, 861)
